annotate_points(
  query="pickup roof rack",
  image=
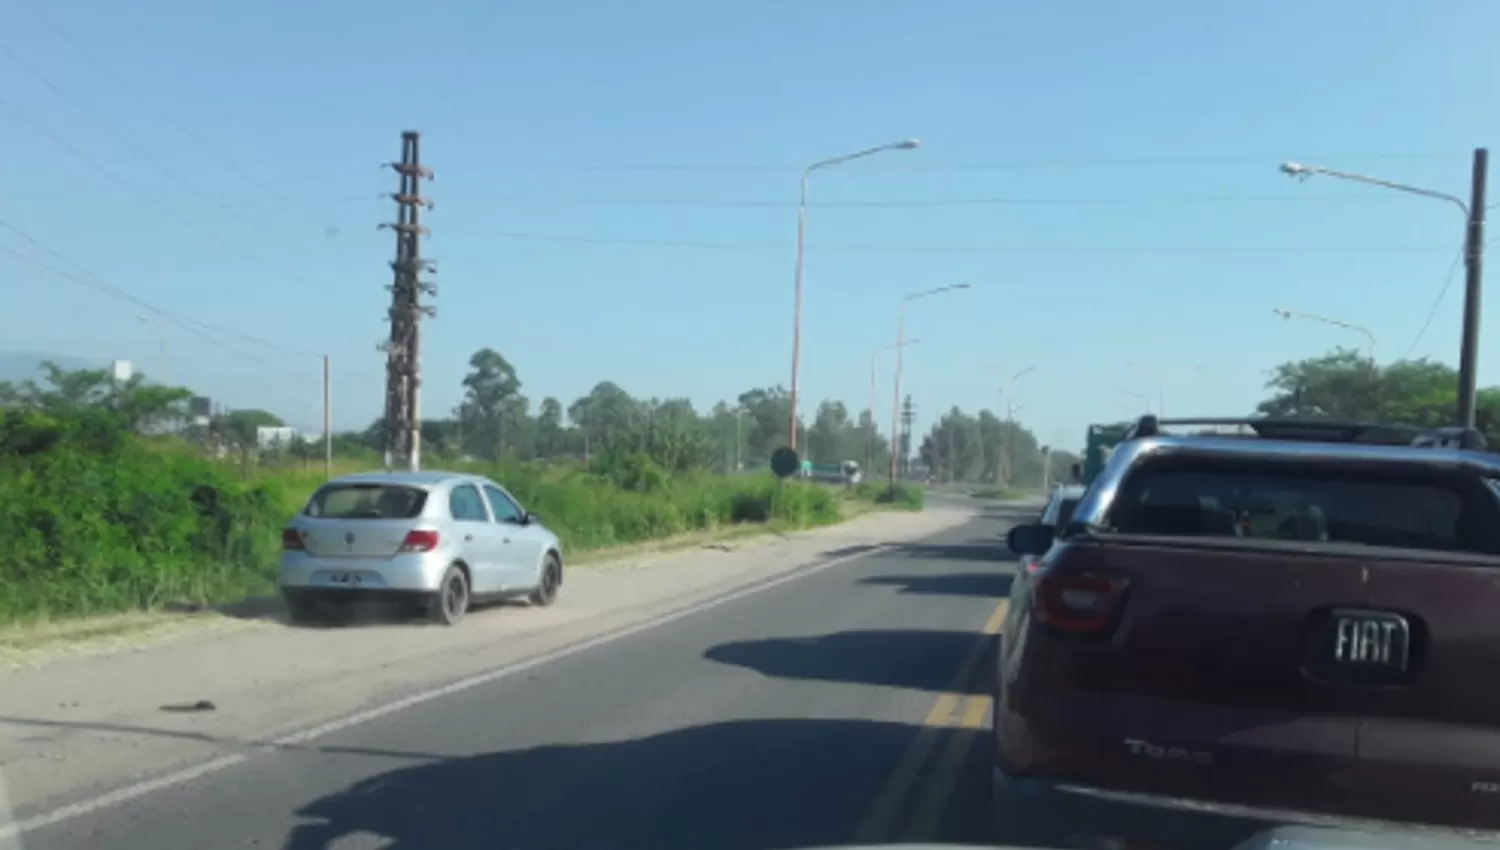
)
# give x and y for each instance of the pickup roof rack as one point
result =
(1324, 431)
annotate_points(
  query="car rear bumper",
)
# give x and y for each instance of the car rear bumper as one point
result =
(1051, 813)
(412, 572)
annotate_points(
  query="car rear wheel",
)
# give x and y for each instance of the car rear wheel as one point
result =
(451, 601)
(546, 590)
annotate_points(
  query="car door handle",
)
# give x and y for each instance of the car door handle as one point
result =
(468, 538)
(505, 540)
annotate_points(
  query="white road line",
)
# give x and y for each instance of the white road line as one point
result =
(135, 790)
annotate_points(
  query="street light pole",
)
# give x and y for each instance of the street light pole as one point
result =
(1297, 314)
(1007, 444)
(870, 438)
(908, 144)
(896, 384)
(1468, 355)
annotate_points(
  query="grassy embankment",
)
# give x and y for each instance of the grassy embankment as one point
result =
(1006, 494)
(138, 527)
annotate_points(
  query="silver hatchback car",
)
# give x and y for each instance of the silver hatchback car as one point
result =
(440, 539)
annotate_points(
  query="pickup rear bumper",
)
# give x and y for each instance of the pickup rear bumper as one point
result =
(1034, 812)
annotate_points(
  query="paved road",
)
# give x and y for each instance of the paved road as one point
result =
(847, 705)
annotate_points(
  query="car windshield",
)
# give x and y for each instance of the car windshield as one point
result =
(1395, 508)
(367, 501)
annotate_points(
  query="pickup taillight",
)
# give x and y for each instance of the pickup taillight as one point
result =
(1085, 603)
(291, 540)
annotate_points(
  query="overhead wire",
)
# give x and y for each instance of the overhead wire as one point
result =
(1437, 302)
(1011, 165)
(953, 249)
(85, 277)
(136, 190)
(119, 79)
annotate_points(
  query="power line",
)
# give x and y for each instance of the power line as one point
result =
(937, 202)
(139, 150)
(1266, 159)
(1012, 165)
(284, 207)
(119, 80)
(954, 249)
(148, 198)
(87, 278)
(1437, 302)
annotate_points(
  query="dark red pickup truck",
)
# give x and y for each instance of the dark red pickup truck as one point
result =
(1291, 624)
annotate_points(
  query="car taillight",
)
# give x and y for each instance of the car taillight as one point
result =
(1078, 603)
(420, 541)
(291, 539)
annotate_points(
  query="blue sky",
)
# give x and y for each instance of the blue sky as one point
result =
(616, 187)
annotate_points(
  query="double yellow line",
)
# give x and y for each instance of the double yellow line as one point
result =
(958, 714)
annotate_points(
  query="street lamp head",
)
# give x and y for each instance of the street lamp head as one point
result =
(909, 144)
(1295, 169)
(963, 286)
(1282, 312)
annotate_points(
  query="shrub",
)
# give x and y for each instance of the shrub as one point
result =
(98, 520)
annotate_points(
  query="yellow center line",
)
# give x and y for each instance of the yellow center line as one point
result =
(942, 710)
(977, 712)
(877, 822)
(938, 790)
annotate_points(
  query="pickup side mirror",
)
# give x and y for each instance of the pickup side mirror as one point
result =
(1032, 539)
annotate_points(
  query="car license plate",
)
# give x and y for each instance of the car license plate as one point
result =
(1361, 646)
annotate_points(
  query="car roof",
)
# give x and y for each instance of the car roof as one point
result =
(424, 478)
(1314, 431)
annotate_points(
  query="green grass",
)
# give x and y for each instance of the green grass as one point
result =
(1002, 493)
(906, 497)
(138, 527)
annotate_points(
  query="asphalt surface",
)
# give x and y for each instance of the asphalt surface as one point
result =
(847, 705)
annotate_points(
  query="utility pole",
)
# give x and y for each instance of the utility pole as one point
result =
(403, 377)
(327, 418)
(952, 425)
(1009, 442)
(1468, 358)
(908, 416)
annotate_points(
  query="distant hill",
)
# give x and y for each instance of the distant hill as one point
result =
(27, 365)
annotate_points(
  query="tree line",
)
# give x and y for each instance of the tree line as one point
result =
(496, 420)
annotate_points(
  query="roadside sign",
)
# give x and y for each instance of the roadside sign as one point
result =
(784, 462)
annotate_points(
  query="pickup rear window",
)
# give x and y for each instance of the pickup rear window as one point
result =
(1401, 507)
(367, 501)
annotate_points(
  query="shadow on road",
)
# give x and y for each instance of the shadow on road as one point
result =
(742, 785)
(994, 585)
(910, 658)
(994, 551)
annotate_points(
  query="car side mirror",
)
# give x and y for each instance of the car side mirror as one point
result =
(1033, 539)
(529, 518)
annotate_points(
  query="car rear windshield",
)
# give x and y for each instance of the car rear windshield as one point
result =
(1409, 508)
(367, 501)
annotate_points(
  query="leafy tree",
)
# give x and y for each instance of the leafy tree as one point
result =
(490, 400)
(1344, 384)
(137, 404)
(551, 432)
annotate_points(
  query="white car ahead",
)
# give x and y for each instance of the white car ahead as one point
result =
(439, 539)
